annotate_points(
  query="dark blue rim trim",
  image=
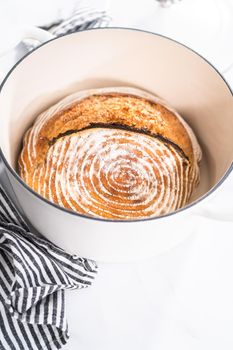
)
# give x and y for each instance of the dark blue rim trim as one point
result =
(13, 172)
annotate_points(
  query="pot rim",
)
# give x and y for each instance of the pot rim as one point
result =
(68, 211)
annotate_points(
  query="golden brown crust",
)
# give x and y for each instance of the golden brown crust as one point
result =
(129, 110)
(117, 108)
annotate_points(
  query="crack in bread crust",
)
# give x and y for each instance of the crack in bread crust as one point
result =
(119, 127)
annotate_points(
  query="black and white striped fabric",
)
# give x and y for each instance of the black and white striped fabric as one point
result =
(34, 275)
(80, 19)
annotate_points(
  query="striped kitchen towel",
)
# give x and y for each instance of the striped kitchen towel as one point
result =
(34, 275)
(81, 18)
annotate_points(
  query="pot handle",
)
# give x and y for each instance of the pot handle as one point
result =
(30, 32)
(35, 33)
(209, 223)
(217, 209)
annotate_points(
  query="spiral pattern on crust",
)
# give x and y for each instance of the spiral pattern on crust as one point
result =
(115, 174)
(107, 172)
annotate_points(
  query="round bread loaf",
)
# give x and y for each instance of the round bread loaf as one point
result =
(114, 153)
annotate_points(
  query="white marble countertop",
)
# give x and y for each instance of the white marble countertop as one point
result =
(181, 299)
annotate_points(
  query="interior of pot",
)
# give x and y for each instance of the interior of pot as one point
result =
(120, 57)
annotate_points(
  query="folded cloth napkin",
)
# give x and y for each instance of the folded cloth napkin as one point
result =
(34, 274)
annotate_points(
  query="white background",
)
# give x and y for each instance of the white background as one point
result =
(182, 299)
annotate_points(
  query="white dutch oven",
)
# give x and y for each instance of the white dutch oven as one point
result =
(117, 57)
